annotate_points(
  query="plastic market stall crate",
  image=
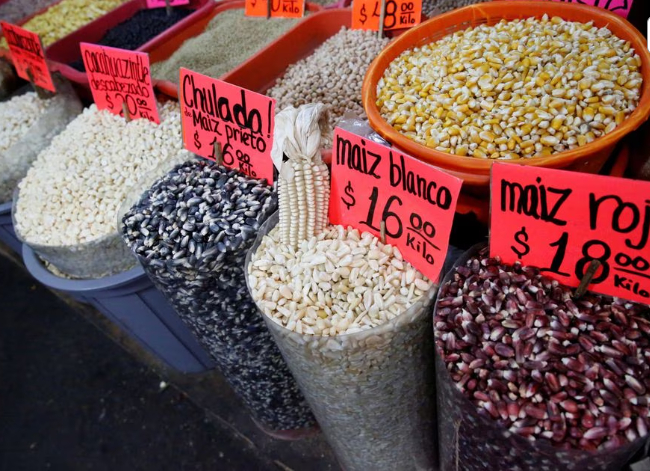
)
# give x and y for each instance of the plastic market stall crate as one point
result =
(131, 301)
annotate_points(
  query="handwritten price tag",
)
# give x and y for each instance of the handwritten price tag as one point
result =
(27, 55)
(371, 183)
(620, 7)
(560, 222)
(240, 121)
(399, 14)
(117, 76)
(279, 8)
(162, 3)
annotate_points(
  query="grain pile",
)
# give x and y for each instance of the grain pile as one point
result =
(229, 39)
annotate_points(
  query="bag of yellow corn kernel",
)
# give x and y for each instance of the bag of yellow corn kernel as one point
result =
(350, 316)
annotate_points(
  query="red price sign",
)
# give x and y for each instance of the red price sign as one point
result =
(560, 221)
(27, 55)
(372, 183)
(399, 14)
(620, 7)
(120, 80)
(215, 113)
(279, 8)
(163, 3)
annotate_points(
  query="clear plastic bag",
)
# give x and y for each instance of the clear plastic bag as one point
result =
(211, 298)
(470, 441)
(373, 391)
(62, 108)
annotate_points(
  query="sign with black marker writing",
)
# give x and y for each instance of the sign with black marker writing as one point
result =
(120, 81)
(399, 14)
(215, 113)
(27, 55)
(372, 183)
(559, 221)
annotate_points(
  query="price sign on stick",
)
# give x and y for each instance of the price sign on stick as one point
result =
(120, 81)
(375, 186)
(28, 56)
(398, 14)
(276, 8)
(620, 7)
(227, 123)
(562, 222)
(164, 3)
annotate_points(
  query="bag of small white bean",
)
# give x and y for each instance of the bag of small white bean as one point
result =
(529, 378)
(365, 367)
(28, 126)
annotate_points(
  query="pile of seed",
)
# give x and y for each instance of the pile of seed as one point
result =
(66, 17)
(73, 191)
(337, 282)
(435, 7)
(354, 322)
(137, 30)
(15, 10)
(191, 231)
(17, 116)
(229, 39)
(518, 89)
(332, 75)
(574, 373)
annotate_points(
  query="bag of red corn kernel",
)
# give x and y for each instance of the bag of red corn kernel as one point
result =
(530, 378)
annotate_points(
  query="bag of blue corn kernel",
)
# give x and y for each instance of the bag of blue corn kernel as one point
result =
(191, 231)
(530, 378)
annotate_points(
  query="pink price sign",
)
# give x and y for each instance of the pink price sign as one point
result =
(620, 7)
(120, 81)
(163, 3)
(218, 114)
(372, 183)
(27, 55)
(561, 221)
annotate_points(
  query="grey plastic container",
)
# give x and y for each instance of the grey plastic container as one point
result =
(131, 301)
(7, 234)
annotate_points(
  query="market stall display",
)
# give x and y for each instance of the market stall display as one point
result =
(507, 92)
(332, 75)
(437, 7)
(475, 171)
(14, 11)
(191, 231)
(132, 33)
(228, 40)
(64, 17)
(350, 316)
(66, 206)
(530, 377)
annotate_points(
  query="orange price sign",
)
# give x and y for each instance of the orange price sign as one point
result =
(372, 183)
(560, 222)
(279, 8)
(120, 80)
(219, 117)
(27, 55)
(398, 14)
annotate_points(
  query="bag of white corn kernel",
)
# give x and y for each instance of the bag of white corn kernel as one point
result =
(65, 208)
(37, 122)
(370, 387)
(540, 427)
